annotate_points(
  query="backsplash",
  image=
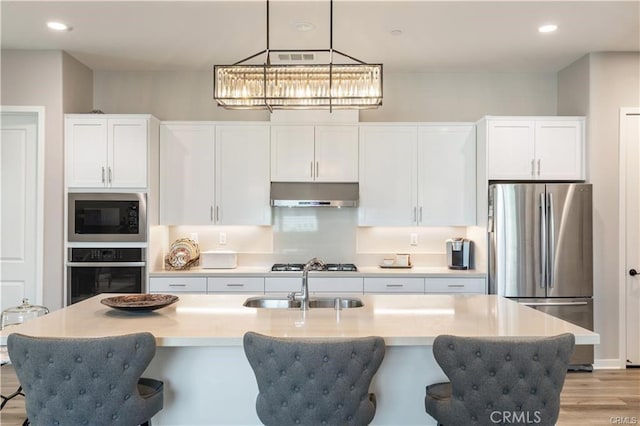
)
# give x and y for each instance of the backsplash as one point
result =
(331, 234)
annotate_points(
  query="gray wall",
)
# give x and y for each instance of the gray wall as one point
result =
(36, 78)
(598, 85)
(77, 86)
(407, 96)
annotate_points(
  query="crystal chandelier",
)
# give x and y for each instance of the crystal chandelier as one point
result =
(356, 85)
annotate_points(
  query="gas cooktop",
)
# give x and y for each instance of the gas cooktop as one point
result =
(288, 267)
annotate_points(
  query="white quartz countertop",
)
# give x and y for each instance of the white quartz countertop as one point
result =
(365, 271)
(221, 320)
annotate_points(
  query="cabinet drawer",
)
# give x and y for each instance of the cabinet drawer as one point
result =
(178, 285)
(282, 284)
(394, 285)
(455, 285)
(335, 285)
(235, 285)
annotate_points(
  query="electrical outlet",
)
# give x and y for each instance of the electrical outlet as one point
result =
(414, 239)
(222, 238)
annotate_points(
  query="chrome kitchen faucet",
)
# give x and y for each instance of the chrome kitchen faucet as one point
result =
(314, 264)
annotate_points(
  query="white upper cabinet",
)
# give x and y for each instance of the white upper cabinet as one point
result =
(214, 174)
(307, 153)
(242, 175)
(106, 152)
(187, 174)
(388, 175)
(535, 148)
(447, 175)
(417, 175)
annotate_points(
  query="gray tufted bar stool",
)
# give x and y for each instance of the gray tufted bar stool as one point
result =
(314, 381)
(92, 381)
(499, 381)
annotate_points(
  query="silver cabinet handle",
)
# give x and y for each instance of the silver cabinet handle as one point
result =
(109, 174)
(311, 169)
(552, 240)
(395, 285)
(103, 174)
(533, 165)
(177, 285)
(455, 285)
(105, 264)
(317, 169)
(553, 303)
(420, 214)
(217, 214)
(235, 285)
(538, 167)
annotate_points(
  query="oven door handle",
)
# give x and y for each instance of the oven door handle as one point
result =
(105, 264)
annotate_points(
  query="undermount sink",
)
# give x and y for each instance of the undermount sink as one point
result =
(314, 302)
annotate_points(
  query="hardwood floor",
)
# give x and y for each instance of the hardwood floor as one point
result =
(603, 397)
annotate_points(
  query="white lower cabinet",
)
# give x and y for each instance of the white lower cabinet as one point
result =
(178, 285)
(394, 285)
(316, 284)
(235, 285)
(455, 285)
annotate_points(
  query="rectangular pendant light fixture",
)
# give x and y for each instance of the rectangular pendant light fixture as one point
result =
(356, 85)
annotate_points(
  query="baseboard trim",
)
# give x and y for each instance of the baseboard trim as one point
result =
(609, 364)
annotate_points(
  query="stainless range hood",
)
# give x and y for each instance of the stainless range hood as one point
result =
(302, 194)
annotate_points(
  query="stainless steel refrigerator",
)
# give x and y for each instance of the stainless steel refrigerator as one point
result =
(541, 251)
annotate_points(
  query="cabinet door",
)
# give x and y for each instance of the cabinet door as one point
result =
(388, 176)
(558, 150)
(86, 146)
(127, 153)
(242, 175)
(446, 175)
(292, 157)
(510, 149)
(336, 153)
(187, 177)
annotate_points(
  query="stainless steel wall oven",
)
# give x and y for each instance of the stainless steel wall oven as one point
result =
(91, 271)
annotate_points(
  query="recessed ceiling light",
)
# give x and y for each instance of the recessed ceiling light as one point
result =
(549, 28)
(396, 32)
(304, 26)
(58, 26)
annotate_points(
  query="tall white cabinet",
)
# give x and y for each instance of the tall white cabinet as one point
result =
(107, 151)
(417, 175)
(214, 174)
(308, 153)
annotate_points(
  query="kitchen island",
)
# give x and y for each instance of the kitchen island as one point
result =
(209, 381)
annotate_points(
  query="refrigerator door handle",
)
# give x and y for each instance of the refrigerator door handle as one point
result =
(552, 241)
(553, 303)
(543, 241)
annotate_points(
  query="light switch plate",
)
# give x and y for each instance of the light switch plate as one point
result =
(222, 238)
(414, 239)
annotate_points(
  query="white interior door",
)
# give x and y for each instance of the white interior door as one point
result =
(630, 147)
(21, 208)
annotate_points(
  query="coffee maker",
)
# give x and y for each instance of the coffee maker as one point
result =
(459, 253)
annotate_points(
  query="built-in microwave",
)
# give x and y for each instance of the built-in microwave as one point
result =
(107, 217)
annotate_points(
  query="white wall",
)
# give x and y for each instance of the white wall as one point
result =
(600, 84)
(183, 95)
(35, 78)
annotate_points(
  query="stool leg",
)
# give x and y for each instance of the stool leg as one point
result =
(6, 399)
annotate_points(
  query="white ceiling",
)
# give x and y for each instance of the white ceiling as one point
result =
(446, 36)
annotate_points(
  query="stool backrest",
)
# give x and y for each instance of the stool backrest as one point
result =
(520, 378)
(82, 381)
(314, 382)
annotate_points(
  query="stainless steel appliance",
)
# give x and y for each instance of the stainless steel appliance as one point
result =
(107, 217)
(92, 271)
(298, 267)
(541, 250)
(304, 194)
(459, 253)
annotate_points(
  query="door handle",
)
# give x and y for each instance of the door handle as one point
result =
(103, 174)
(109, 174)
(538, 167)
(551, 241)
(543, 241)
(317, 169)
(633, 272)
(553, 303)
